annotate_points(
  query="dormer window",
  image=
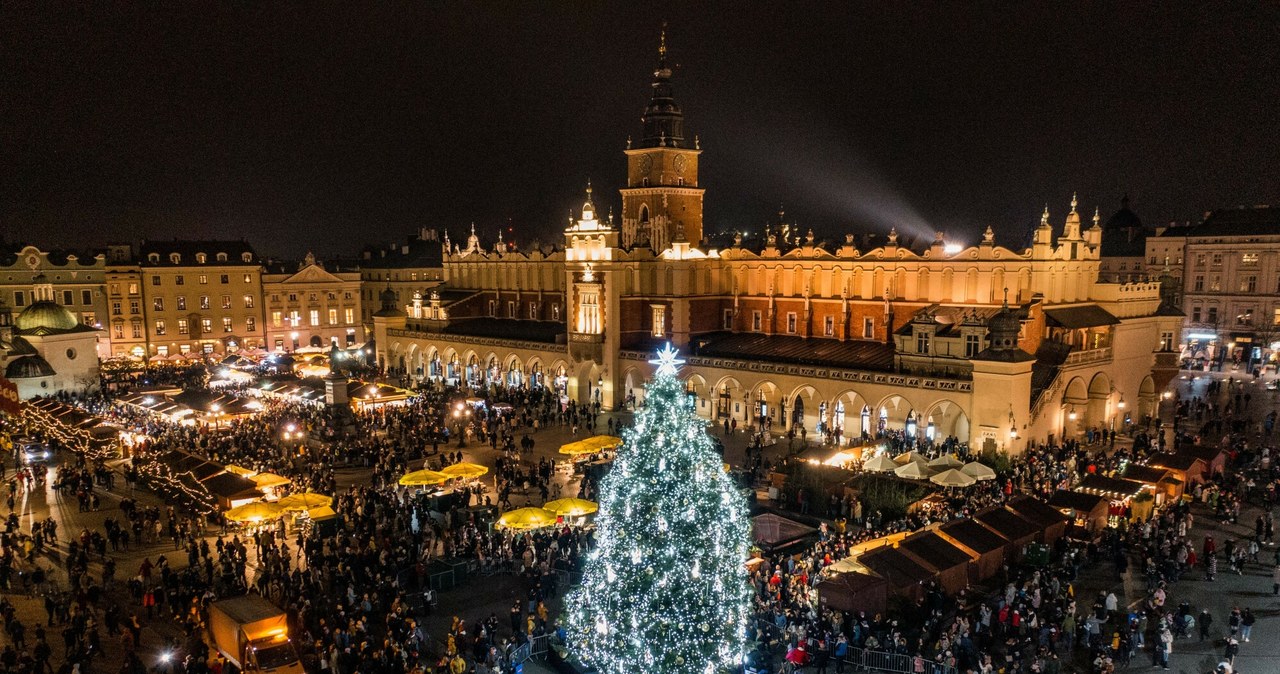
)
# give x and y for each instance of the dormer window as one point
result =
(201, 258)
(221, 257)
(246, 257)
(153, 257)
(175, 258)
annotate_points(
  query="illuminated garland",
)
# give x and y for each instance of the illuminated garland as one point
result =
(665, 591)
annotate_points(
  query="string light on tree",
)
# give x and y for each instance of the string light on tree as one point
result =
(665, 591)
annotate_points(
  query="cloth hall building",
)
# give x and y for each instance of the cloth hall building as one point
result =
(992, 345)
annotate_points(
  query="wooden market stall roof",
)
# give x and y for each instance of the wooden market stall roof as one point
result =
(1148, 474)
(1007, 523)
(935, 550)
(230, 485)
(974, 536)
(895, 566)
(1111, 487)
(1036, 511)
(1077, 500)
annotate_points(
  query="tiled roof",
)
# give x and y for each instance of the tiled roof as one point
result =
(853, 354)
(187, 251)
(1240, 221)
(507, 328)
(1084, 316)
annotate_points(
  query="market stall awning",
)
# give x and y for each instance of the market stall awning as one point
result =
(591, 445)
(268, 480)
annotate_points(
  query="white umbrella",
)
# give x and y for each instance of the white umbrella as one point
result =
(952, 478)
(913, 455)
(946, 461)
(978, 471)
(879, 464)
(915, 470)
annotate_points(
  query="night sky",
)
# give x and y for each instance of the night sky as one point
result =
(327, 127)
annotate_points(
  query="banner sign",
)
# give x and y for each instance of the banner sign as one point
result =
(9, 401)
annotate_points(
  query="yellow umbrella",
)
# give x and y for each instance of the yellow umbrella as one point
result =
(591, 445)
(465, 470)
(243, 472)
(321, 514)
(305, 501)
(268, 480)
(527, 518)
(254, 512)
(420, 478)
(571, 507)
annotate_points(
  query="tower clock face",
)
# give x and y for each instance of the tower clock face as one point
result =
(646, 163)
(679, 163)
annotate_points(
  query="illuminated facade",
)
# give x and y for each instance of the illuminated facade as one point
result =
(1226, 273)
(983, 342)
(312, 306)
(200, 296)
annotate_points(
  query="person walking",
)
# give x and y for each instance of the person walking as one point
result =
(1164, 646)
(1205, 620)
(1233, 648)
(1246, 624)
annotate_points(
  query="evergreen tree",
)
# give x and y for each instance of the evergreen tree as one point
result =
(665, 591)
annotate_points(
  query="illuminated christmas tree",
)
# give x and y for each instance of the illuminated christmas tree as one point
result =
(665, 591)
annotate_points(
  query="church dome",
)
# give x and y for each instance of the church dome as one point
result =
(46, 314)
(1123, 218)
(29, 367)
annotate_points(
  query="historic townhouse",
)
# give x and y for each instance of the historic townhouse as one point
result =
(312, 306)
(201, 296)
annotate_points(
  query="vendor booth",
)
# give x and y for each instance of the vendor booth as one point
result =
(1121, 493)
(1161, 480)
(1187, 467)
(906, 577)
(1088, 512)
(852, 591)
(937, 554)
(1012, 526)
(1051, 521)
(986, 545)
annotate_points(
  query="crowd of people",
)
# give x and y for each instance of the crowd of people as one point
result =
(356, 589)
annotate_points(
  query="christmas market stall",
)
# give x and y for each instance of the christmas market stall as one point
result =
(905, 577)
(774, 533)
(1121, 493)
(1012, 526)
(1185, 466)
(231, 490)
(987, 545)
(948, 561)
(852, 591)
(1088, 512)
(1051, 521)
(1163, 483)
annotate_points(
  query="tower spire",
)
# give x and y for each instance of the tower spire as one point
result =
(663, 121)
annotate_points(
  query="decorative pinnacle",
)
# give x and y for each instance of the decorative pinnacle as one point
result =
(1073, 202)
(667, 361)
(1044, 217)
(1096, 216)
(662, 42)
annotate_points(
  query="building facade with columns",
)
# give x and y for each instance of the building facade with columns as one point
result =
(982, 342)
(310, 305)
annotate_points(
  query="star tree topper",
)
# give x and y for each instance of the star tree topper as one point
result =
(667, 362)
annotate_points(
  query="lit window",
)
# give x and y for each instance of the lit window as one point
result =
(350, 315)
(158, 304)
(248, 301)
(226, 324)
(277, 319)
(182, 303)
(333, 317)
(204, 279)
(204, 301)
(159, 327)
(315, 317)
(206, 325)
(659, 320)
(182, 326)
(226, 301)
(250, 324)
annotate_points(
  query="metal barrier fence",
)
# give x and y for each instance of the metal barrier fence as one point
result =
(533, 649)
(861, 659)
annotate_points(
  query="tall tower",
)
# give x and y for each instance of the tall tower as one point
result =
(662, 202)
